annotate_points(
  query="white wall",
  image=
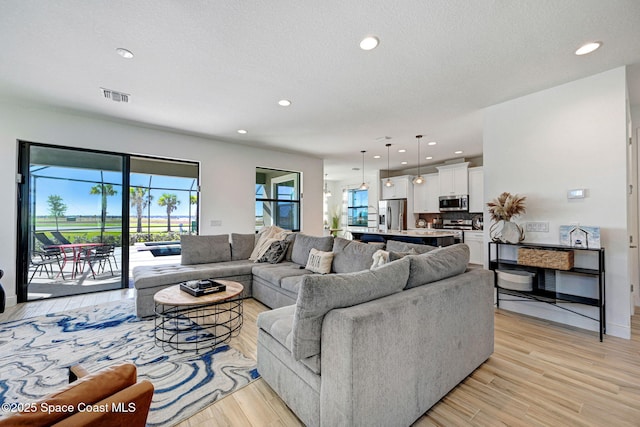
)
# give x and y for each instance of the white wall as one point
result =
(227, 170)
(570, 136)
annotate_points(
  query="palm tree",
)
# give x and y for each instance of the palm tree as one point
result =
(56, 207)
(105, 190)
(171, 202)
(139, 200)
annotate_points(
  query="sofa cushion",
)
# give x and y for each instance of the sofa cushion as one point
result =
(242, 245)
(292, 283)
(151, 276)
(437, 264)
(205, 249)
(274, 273)
(396, 246)
(276, 252)
(350, 256)
(279, 324)
(321, 293)
(302, 246)
(319, 261)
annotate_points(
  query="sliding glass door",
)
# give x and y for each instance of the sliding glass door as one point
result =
(71, 232)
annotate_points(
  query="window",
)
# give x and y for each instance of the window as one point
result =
(163, 199)
(277, 199)
(358, 208)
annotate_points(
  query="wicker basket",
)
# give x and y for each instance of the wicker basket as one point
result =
(558, 259)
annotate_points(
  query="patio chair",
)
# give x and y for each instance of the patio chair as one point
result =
(60, 238)
(112, 254)
(42, 238)
(100, 255)
(44, 260)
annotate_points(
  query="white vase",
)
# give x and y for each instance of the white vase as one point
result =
(506, 232)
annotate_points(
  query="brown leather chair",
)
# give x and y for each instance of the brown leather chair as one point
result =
(110, 397)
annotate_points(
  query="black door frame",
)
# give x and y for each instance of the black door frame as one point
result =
(24, 189)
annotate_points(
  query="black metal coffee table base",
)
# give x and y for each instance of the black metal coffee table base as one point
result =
(197, 327)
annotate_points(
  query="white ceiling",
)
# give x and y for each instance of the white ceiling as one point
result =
(213, 67)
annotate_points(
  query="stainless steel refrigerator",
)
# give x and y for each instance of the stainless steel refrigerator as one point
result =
(392, 215)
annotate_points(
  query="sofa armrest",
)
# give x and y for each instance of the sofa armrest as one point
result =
(386, 362)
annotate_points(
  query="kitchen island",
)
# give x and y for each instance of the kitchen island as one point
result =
(425, 236)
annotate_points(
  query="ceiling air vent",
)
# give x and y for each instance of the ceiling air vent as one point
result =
(115, 96)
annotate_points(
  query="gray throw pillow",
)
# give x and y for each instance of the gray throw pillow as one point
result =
(290, 238)
(437, 264)
(242, 245)
(205, 249)
(397, 246)
(302, 246)
(275, 253)
(350, 256)
(397, 255)
(320, 294)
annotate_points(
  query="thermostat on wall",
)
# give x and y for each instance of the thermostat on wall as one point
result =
(578, 193)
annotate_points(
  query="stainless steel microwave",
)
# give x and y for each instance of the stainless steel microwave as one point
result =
(454, 203)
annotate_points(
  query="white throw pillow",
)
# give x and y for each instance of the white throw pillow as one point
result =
(319, 261)
(380, 258)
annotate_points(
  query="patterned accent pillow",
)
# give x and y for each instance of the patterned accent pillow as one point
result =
(319, 261)
(275, 253)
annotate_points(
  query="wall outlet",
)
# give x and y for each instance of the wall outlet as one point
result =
(216, 223)
(537, 227)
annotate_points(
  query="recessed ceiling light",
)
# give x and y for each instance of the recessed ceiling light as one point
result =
(284, 103)
(428, 158)
(125, 53)
(458, 152)
(376, 157)
(369, 42)
(432, 143)
(588, 48)
(241, 131)
(402, 150)
(404, 163)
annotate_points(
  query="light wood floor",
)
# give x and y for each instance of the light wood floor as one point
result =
(541, 374)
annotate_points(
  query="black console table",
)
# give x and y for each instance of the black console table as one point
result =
(543, 286)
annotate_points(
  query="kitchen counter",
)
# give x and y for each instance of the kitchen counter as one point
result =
(427, 236)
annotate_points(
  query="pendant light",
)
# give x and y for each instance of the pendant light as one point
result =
(418, 179)
(364, 185)
(388, 182)
(327, 193)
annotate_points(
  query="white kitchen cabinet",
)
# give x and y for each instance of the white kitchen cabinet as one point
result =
(476, 190)
(399, 189)
(425, 195)
(454, 179)
(475, 241)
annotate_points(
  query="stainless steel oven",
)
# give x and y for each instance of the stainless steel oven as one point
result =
(458, 203)
(457, 227)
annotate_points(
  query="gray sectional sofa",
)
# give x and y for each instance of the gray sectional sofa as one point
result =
(227, 257)
(361, 346)
(379, 347)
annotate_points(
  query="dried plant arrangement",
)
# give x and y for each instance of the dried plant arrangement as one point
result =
(506, 206)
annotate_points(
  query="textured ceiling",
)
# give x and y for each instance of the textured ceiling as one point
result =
(212, 67)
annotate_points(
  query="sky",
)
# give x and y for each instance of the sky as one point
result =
(75, 191)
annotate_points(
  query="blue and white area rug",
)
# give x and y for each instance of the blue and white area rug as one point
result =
(35, 354)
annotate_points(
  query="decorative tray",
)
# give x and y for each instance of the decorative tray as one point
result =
(198, 288)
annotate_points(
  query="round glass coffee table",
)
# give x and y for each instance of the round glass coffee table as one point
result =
(184, 322)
